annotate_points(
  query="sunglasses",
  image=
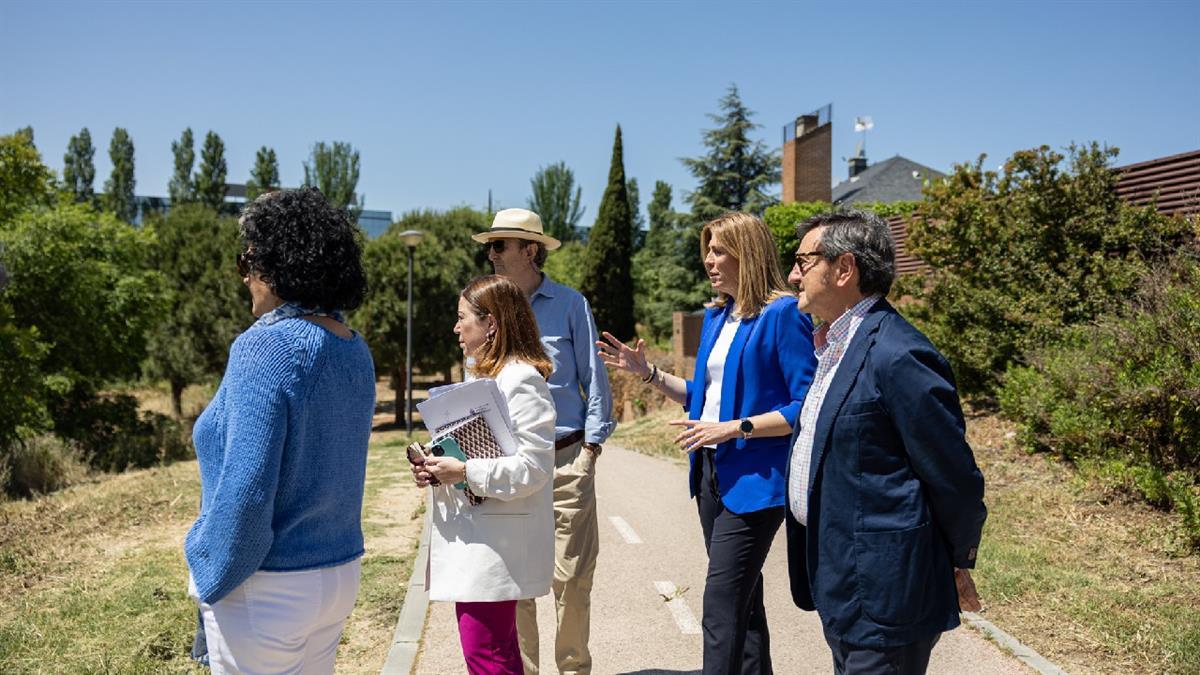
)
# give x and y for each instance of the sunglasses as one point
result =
(245, 262)
(498, 245)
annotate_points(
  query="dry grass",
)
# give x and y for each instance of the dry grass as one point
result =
(1094, 582)
(92, 578)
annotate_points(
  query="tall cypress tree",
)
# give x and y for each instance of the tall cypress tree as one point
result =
(79, 172)
(119, 187)
(607, 274)
(264, 177)
(182, 189)
(210, 179)
(735, 172)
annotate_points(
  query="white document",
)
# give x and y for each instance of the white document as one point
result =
(455, 402)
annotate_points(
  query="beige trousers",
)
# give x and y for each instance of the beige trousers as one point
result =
(576, 545)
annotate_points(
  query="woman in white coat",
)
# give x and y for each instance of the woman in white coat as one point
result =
(486, 556)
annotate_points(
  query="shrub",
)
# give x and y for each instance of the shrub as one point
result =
(1020, 254)
(1125, 391)
(39, 465)
(116, 436)
(782, 220)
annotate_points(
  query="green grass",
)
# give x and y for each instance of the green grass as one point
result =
(93, 579)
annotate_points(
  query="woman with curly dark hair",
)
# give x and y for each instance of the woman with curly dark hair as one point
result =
(282, 447)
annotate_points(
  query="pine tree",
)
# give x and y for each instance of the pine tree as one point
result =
(182, 189)
(210, 178)
(118, 188)
(607, 275)
(735, 173)
(79, 172)
(333, 169)
(556, 199)
(264, 177)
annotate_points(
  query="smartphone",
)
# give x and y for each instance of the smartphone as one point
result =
(416, 457)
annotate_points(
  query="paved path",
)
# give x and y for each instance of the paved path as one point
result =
(651, 547)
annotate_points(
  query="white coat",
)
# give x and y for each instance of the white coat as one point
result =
(502, 549)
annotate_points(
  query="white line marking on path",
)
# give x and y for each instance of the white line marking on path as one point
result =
(679, 610)
(625, 530)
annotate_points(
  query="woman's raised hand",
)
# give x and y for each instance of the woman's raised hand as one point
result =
(617, 354)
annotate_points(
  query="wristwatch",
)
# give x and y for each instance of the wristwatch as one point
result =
(594, 448)
(747, 428)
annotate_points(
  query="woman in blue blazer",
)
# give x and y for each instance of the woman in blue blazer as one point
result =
(753, 369)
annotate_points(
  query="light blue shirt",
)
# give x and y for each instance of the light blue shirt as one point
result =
(579, 383)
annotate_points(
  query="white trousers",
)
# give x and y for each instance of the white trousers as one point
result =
(281, 622)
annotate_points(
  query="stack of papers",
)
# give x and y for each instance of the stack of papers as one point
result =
(453, 404)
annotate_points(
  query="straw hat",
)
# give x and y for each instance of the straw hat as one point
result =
(517, 224)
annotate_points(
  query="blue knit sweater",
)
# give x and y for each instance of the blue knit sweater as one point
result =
(282, 449)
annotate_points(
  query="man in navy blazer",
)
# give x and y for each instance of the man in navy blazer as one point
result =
(885, 502)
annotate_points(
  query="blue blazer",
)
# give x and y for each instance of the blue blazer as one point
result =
(769, 367)
(895, 499)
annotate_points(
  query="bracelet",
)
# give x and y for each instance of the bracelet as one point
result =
(653, 374)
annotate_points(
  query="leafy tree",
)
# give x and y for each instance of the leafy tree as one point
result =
(663, 283)
(1019, 255)
(182, 188)
(119, 197)
(333, 169)
(635, 208)
(607, 275)
(26, 132)
(81, 285)
(565, 264)
(210, 179)
(443, 263)
(25, 182)
(735, 173)
(206, 300)
(22, 390)
(79, 172)
(264, 177)
(557, 200)
(82, 279)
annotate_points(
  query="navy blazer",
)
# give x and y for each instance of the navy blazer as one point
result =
(769, 367)
(895, 499)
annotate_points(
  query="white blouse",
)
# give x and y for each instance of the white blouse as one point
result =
(716, 369)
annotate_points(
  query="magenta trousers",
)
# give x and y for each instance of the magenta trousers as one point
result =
(488, 631)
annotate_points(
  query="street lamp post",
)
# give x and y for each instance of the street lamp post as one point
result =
(411, 238)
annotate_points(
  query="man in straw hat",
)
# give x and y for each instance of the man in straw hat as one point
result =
(517, 247)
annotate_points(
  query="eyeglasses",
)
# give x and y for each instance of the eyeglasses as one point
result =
(245, 261)
(802, 260)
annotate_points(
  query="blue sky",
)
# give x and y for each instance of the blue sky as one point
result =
(446, 101)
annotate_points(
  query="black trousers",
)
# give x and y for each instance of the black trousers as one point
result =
(909, 659)
(736, 639)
